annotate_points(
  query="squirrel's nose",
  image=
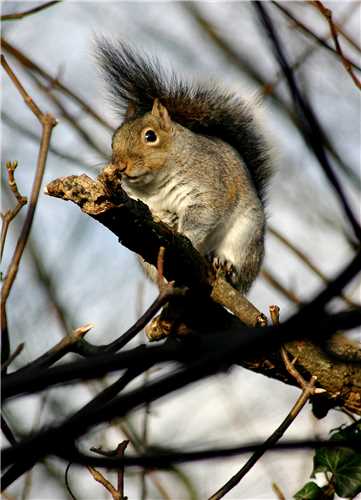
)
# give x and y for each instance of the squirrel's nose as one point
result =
(120, 165)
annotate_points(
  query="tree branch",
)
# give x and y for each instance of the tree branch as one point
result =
(47, 122)
(55, 82)
(269, 443)
(135, 227)
(9, 215)
(327, 13)
(21, 15)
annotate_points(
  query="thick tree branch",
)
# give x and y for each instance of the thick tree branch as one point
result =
(104, 200)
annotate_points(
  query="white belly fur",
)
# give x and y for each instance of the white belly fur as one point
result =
(231, 241)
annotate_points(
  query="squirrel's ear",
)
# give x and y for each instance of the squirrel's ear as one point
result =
(131, 111)
(162, 113)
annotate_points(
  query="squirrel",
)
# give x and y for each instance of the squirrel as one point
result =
(195, 155)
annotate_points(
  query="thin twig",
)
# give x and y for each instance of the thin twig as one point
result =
(277, 285)
(74, 342)
(307, 261)
(278, 492)
(145, 433)
(48, 122)
(21, 15)
(163, 460)
(290, 366)
(346, 36)
(327, 14)
(28, 133)
(275, 314)
(98, 476)
(65, 345)
(55, 82)
(35, 425)
(160, 268)
(9, 215)
(47, 442)
(167, 291)
(8, 433)
(339, 27)
(118, 452)
(99, 401)
(269, 443)
(11, 167)
(120, 475)
(309, 32)
(7, 496)
(73, 121)
(136, 443)
(312, 131)
(67, 481)
(243, 64)
(308, 390)
(269, 87)
(12, 356)
(162, 285)
(27, 99)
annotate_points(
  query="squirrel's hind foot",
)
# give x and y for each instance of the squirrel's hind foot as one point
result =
(220, 265)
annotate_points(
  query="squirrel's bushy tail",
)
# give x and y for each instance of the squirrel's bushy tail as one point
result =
(138, 79)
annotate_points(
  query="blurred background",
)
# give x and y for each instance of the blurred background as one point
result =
(74, 271)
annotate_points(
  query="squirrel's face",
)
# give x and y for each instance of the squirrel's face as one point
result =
(141, 147)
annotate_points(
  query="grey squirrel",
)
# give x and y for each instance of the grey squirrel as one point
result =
(195, 155)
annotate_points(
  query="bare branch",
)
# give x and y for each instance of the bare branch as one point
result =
(103, 481)
(275, 314)
(12, 356)
(136, 444)
(243, 64)
(307, 261)
(277, 285)
(27, 99)
(67, 116)
(120, 482)
(225, 294)
(55, 82)
(309, 32)
(8, 433)
(312, 131)
(48, 122)
(67, 344)
(160, 268)
(21, 15)
(124, 219)
(9, 215)
(278, 492)
(269, 443)
(327, 13)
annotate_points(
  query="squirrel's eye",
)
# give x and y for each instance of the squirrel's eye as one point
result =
(150, 136)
